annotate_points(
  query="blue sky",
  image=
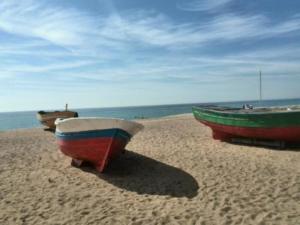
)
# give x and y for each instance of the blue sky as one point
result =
(103, 53)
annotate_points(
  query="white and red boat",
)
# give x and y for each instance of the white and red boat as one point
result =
(95, 140)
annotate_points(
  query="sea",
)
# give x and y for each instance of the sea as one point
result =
(27, 119)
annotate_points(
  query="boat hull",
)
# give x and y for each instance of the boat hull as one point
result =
(282, 124)
(48, 118)
(226, 133)
(97, 147)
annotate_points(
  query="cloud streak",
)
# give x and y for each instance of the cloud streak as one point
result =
(158, 30)
(203, 5)
(55, 25)
(75, 30)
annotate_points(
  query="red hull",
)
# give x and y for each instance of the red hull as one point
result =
(97, 151)
(225, 132)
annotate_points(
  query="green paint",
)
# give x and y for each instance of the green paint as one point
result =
(234, 117)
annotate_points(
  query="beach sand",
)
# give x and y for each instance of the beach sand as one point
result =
(172, 173)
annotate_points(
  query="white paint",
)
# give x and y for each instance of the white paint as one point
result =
(96, 123)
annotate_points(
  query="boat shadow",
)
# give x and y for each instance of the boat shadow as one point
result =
(277, 146)
(49, 130)
(143, 175)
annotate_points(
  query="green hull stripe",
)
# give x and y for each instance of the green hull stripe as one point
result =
(280, 119)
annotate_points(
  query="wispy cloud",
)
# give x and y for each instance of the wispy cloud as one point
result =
(156, 29)
(53, 24)
(25, 68)
(202, 5)
(78, 31)
(199, 69)
(87, 47)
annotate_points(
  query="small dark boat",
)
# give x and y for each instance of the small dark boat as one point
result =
(273, 123)
(94, 140)
(48, 118)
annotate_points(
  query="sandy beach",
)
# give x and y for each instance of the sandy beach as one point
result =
(172, 173)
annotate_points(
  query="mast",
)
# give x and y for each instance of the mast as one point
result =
(260, 95)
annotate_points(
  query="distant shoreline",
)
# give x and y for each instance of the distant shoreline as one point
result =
(184, 115)
(159, 105)
(19, 120)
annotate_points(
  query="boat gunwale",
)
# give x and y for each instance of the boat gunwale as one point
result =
(61, 134)
(65, 120)
(243, 113)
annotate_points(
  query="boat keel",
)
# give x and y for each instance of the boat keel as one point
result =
(222, 136)
(257, 142)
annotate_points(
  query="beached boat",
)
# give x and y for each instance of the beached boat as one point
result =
(48, 118)
(95, 140)
(273, 123)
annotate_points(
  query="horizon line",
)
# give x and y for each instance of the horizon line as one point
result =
(169, 104)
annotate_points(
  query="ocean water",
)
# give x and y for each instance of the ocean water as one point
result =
(17, 120)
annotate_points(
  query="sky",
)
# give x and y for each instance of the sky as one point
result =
(107, 53)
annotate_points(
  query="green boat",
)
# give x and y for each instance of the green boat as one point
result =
(273, 123)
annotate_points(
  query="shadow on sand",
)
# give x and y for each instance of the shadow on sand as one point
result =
(277, 146)
(138, 173)
(49, 130)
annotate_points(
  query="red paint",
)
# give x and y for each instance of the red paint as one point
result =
(97, 151)
(225, 132)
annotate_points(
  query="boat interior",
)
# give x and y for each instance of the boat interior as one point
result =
(250, 109)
